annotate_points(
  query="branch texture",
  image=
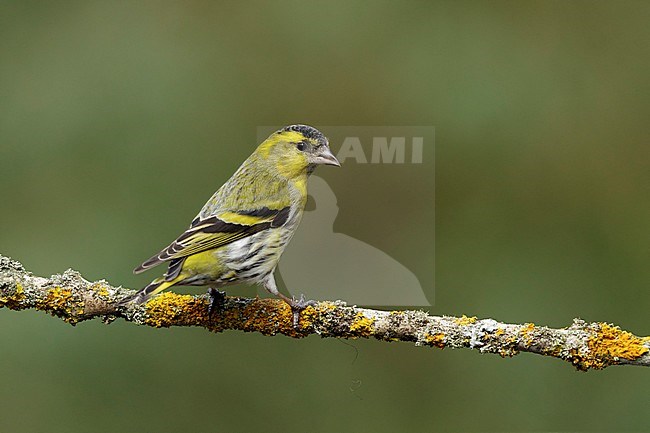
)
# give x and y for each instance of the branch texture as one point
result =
(70, 297)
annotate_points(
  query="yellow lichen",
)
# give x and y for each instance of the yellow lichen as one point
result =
(609, 345)
(60, 302)
(507, 352)
(57, 299)
(165, 309)
(13, 301)
(307, 317)
(100, 289)
(311, 314)
(361, 325)
(463, 321)
(525, 333)
(327, 306)
(437, 340)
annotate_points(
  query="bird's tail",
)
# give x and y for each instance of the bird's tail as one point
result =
(153, 288)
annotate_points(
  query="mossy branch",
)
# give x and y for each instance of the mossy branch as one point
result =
(73, 299)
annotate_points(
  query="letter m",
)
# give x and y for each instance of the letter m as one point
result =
(388, 152)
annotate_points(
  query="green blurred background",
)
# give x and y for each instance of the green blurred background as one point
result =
(119, 119)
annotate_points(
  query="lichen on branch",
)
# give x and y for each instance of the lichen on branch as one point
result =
(70, 297)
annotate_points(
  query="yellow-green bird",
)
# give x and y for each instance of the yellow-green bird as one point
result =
(241, 232)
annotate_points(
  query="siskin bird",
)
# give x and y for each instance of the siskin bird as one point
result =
(242, 230)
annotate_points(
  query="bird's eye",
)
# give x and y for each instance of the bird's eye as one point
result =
(300, 146)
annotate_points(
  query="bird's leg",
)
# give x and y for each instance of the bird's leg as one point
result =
(297, 305)
(217, 300)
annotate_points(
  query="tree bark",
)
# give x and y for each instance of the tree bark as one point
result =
(70, 297)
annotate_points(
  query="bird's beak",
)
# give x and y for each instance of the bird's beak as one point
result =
(326, 157)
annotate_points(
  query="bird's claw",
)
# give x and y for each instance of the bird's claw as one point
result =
(217, 300)
(297, 305)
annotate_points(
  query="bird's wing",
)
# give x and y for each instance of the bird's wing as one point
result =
(217, 231)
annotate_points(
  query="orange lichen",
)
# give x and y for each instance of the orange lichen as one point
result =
(361, 325)
(609, 344)
(437, 340)
(463, 321)
(267, 316)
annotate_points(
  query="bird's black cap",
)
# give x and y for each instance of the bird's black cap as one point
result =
(307, 131)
